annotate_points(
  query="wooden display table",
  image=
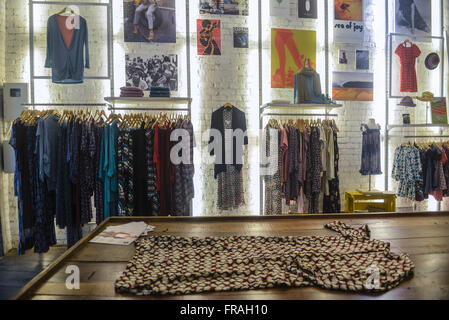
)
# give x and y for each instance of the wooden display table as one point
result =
(424, 236)
(358, 200)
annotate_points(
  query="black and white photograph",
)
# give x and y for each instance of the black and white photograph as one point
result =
(362, 59)
(152, 70)
(307, 9)
(342, 57)
(229, 7)
(241, 37)
(150, 21)
(413, 17)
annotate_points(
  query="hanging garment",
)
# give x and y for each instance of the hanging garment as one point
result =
(99, 185)
(183, 190)
(407, 171)
(67, 61)
(273, 185)
(302, 170)
(65, 205)
(314, 170)
(370, 151)
(87, 184)
(284, 155)
(441, 185)
(407, 56)
(307, 86)
(230, 181)
(238, 123)
(188, 170)
(1, 240)
(168, 265)
(164, 172)
(140, 172)
(446, 171)
(108, 169)
(291, 188)
(26, 220)
(152, 192)
(332, 202)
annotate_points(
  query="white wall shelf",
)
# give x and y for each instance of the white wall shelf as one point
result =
(423, 125)
(147, 100)
(303, 106)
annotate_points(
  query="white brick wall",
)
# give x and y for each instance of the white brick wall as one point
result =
(231, 77)
(3, 185)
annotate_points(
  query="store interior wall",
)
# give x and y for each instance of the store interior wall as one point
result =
(3, 189)
(231, 77)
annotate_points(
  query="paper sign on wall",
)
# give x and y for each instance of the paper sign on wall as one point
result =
(349, 26)
(280, 8)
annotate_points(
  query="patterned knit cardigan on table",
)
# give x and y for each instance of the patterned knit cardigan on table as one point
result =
(170, 265)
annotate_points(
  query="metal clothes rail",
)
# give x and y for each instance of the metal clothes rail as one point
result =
(64, 104)
(110, 108)
(299, 115)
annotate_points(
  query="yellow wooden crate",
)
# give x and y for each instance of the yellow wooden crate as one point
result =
(356, 200)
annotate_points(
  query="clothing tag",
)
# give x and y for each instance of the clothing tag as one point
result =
(77, 22)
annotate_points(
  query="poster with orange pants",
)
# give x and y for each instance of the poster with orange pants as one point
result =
(289, 51)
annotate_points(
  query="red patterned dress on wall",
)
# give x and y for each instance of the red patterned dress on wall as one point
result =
(407, 56)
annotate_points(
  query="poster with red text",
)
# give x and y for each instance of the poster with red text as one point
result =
(209, 37)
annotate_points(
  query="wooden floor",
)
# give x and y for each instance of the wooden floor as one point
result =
(16, 271)
(424, 237)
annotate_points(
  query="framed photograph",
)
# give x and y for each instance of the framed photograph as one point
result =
(353, 86)
(362, 59)
(241, 37)
(145, 70)
(413, 17)
(307, 9)
(148, 22)
(229, 7)
(342, 57)
(209, 37)
(289, 51)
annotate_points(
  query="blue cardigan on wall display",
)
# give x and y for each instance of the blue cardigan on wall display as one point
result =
(67, 63)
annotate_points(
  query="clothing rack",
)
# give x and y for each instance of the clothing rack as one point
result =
(64, 104)
(419, 137)
(110, 108)
(298, 115)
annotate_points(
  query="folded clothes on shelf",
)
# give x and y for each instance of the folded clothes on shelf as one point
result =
(131, 92)
(159, 95)
(131, 95)
(159, 92)
(159, 89)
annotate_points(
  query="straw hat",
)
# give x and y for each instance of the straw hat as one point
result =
(426, 96)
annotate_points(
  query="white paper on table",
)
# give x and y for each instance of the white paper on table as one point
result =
(124, 234)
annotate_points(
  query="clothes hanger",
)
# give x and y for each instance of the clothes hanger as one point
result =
(228, 105)
(407, 41)
(66, 10)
